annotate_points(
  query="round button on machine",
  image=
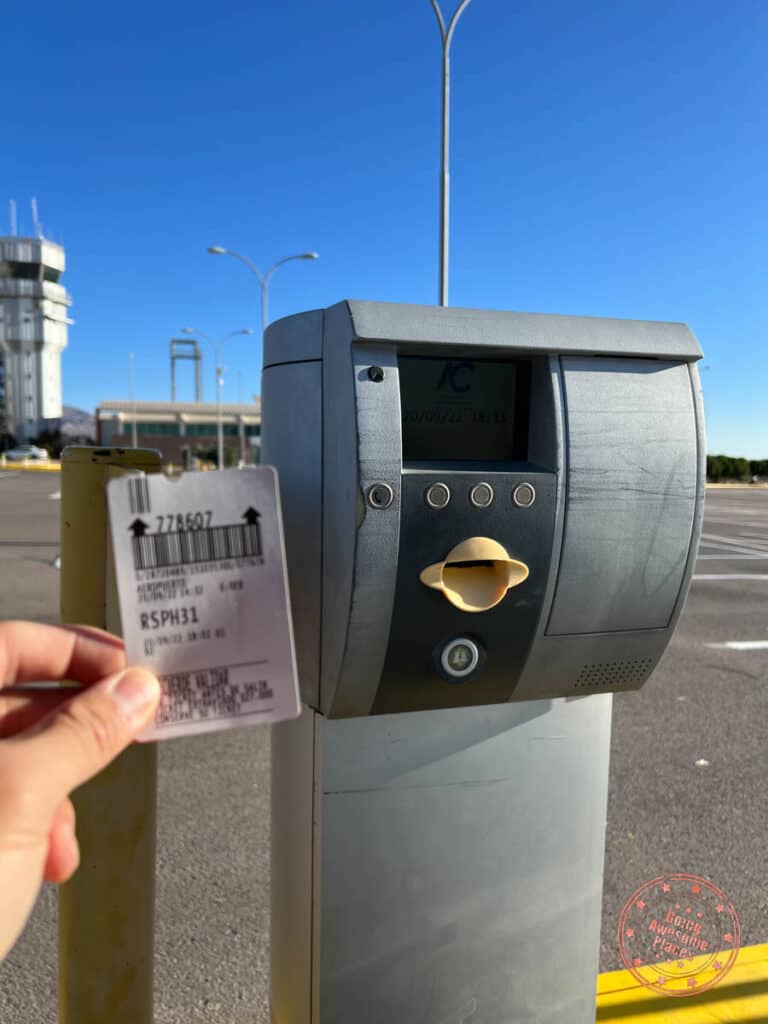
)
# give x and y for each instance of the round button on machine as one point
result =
(459, 658)
(481, 495)
(437, 495)
(524, 495)
(380, 495)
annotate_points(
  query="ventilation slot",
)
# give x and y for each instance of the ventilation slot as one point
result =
(614, 674)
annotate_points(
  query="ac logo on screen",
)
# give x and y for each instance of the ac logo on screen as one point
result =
(450, 375)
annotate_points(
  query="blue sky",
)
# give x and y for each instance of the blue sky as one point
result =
(608, 159)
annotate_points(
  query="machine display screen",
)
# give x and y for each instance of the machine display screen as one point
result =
(463, 409)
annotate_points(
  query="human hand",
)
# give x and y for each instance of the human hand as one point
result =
(51, 741)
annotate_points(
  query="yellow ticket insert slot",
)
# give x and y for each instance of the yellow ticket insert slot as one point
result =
(475, 575)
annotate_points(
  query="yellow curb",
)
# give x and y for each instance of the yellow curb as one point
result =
(741, 998)
(40, 467)
(737, 487)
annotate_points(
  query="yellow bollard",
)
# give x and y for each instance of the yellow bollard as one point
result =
(106, 912)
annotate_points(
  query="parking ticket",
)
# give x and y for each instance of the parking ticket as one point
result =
(203, 593)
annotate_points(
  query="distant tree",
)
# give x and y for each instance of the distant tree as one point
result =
(54, 441)
(726, 467)
(211, 455)
(7, 440)
(206, 455)
(51, 440)
(741, 469)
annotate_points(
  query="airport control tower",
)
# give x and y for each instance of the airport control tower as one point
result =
(33, 334)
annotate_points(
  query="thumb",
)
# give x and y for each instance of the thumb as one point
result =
(79, 738)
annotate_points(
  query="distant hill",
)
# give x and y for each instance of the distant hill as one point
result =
(77, 423)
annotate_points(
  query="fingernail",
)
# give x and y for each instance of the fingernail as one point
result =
(133, 691)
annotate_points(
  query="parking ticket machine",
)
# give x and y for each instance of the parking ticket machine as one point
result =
(491, 520)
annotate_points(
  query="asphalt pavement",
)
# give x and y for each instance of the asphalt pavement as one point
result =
(707, 702)
(29, 544)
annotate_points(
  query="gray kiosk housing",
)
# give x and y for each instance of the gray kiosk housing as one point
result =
(604, 425)
(437, 843)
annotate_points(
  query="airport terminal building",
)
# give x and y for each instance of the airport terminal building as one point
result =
(181, 430)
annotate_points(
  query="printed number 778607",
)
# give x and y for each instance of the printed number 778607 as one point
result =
(178, 521)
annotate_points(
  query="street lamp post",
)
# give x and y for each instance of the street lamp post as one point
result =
(134, 429)
(446, 35)
(264, 279)
(219, 381)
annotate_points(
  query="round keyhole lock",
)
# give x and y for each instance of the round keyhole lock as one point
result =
(460, 657)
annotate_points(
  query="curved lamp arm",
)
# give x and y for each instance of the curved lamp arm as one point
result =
(264, 279)
(287, 259)
(447, 35)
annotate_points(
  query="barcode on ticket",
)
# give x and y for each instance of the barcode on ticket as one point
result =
(188, 547)
(138, 495)
(208, 694)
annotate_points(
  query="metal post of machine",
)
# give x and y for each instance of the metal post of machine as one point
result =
(439, 866)
(106, 912)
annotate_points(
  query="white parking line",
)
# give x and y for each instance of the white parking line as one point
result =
(742, 645)
(714, 540)
(721, 539)
(761, 524)
(727, 556)
(731, 550)
(731, 576)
